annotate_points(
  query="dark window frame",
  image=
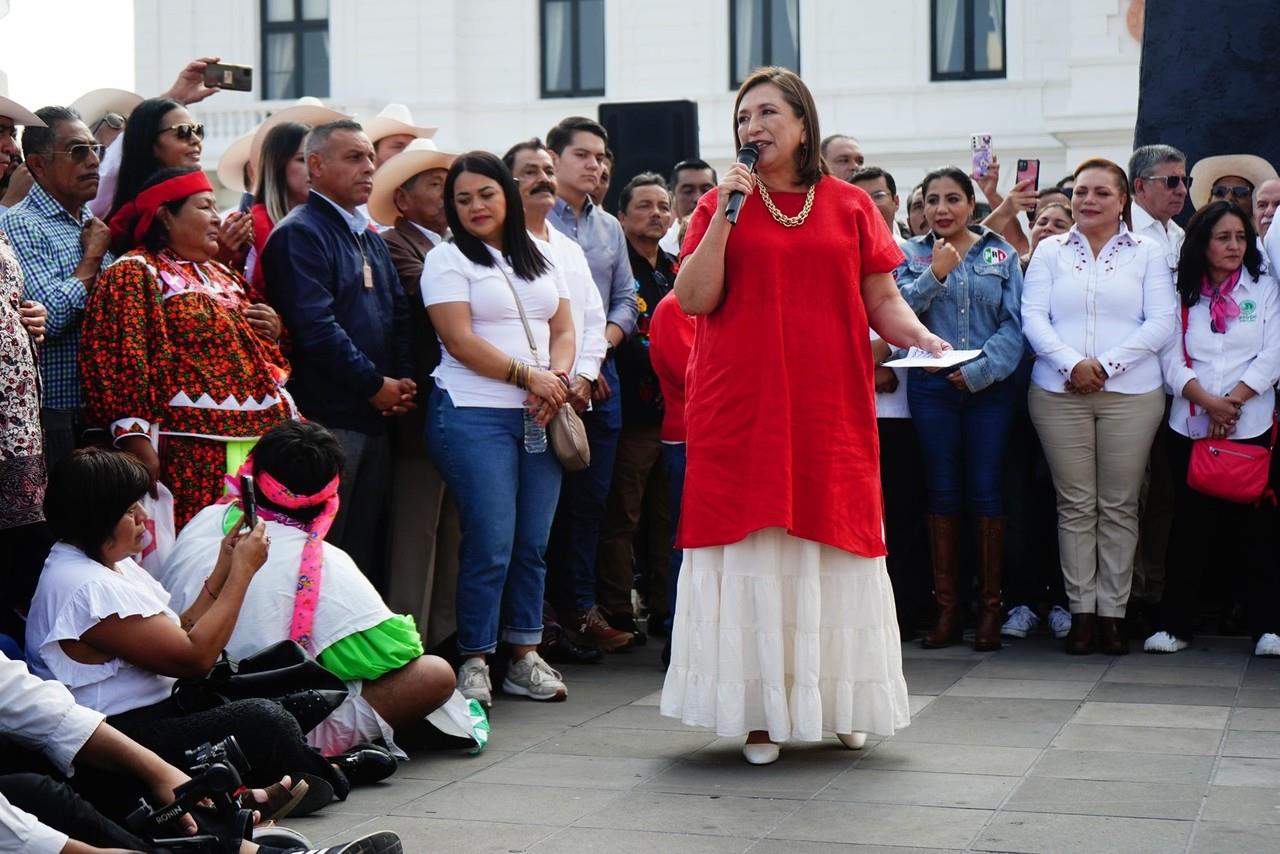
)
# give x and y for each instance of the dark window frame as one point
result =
(576, 89)
(298, 27)
(766, 46)
(969, 72)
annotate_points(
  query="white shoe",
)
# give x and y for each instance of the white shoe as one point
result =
(533, 678)
(1268, 644)
(761, 754)
(1021, 622)
(1059, 621)
(1163, 642)
(853, 740)
(473, 681)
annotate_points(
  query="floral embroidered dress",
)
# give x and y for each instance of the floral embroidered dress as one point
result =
(22, 474)
(168, 353)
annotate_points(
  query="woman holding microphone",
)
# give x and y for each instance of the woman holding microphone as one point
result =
(785, 622)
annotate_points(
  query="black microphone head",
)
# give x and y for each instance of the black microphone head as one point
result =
(748, 154)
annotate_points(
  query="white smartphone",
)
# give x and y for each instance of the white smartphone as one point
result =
(1198, 426)
(980, 146)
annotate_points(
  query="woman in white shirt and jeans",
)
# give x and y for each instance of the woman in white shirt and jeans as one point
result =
(1233, 343)
(485, 423)
(1097, 308)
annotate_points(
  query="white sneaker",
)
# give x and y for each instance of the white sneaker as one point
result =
(1022, 621)
(853, 740)
(533, 678)
(1059, 621)
(1268, 644)
(473, 681)
(1163, 642)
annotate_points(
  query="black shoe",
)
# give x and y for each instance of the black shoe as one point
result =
(627, 623)
(561, 650)
(365, 764)
(666, 653)
(384, 842)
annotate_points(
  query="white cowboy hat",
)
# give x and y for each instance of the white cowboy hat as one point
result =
(308, 111)
(394, 119)
(20, 114)
(232, 162)
(418, 156)
(92, 106)
(1253, 169)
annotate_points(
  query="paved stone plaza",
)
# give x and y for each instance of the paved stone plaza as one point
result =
(1025, 749)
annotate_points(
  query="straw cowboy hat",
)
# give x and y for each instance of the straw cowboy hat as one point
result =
(92, 106)
(418, 156)
(308, 111)
(1253, 169)
(20, 114)
(232, 162)
(394, 119)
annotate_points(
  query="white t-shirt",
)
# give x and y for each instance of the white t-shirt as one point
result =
(584, 299)
(449, 276)
(76, 593)
(894, 404)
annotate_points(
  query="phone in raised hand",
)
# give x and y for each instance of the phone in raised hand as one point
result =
(980, 148)
(249, 501)
(1028, 170)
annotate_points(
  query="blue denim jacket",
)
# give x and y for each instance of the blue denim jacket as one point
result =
(977, 307)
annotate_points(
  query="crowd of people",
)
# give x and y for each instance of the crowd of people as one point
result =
(393, 342)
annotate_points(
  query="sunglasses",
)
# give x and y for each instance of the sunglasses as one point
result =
(80, 152)
(1238, 192)
(184, 132)
(1170, 181)
(114, 121)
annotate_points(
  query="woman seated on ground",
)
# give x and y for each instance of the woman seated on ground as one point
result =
(311, 591)
(103, 627)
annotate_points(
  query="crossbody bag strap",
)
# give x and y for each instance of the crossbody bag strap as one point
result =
(524, 318)
(1186, 313)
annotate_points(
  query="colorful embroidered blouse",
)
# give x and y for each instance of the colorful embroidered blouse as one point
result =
(22, 475)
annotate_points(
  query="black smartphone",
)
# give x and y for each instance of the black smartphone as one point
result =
(249, 501)
(223, 75)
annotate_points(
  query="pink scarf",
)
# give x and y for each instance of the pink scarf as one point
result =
(1222, 306)
(310, 568)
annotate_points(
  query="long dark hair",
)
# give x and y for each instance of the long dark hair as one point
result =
(1192, 263)
(157, 236)
(138, 157)
(956, 174)
(278, 149)
(517, 245)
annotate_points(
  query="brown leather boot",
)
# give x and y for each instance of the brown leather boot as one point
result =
(1112, 639)
(944, 532)
(986, 637)
(1080, 638)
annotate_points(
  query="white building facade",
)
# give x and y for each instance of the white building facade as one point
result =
(911, 79)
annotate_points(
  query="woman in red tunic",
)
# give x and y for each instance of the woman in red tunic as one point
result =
(785, 621)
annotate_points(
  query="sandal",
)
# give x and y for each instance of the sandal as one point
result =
(281, 801)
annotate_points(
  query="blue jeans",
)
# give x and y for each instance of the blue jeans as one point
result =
(674, 457)
(506, 499)
(962, 441)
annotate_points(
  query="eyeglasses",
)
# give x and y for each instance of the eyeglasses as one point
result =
(184, 132)
(1170, 181)
(115, 121)
(80, 152)
(1238, 192)
(880, 194)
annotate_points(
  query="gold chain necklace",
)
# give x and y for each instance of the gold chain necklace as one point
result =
(782, 219)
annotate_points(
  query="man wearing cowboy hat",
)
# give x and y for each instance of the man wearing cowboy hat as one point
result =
(1229, 177)
(391, 131)
(12, 116)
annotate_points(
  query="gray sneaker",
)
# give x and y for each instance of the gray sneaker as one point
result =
(533, 678)
(473, 681)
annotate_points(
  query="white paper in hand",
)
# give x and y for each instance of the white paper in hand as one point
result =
(917, 358)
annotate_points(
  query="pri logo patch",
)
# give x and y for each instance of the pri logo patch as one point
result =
(1248, 310)
(994, 255)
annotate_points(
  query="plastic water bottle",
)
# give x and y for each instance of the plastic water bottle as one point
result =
(535, 435)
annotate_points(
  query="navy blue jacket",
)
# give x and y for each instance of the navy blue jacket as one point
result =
(344, 337)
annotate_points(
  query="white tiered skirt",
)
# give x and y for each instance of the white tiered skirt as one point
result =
(786, 635)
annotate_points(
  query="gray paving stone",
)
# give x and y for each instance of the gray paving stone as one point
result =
(1257, 720)
(1242, 805)
(331, 823)
(619, 741)
(574, 772)
(1140, 669)
(639, 717)
(883, 824)
(1082, 834)
(549, 805)
(1130, 767)
(1061, 669)
(896, 754)
(791, 846)
(1263, 745)
(931, 675)
(1152, 715)
(1262, 698)
(931, 789)
(1133, 739)
(590, 840)
(1189, 695)
(798, 774)
(1262, 674)
(676, 813)
(426, 835)
(1099, 797)
(450, 765)
(387, 796)
(998, 722)
(1245, 771)
(1030, 689)
(1214, 837)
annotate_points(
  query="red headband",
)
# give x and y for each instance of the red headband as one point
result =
(141, 212)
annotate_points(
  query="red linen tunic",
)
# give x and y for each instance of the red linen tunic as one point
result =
(780, 404)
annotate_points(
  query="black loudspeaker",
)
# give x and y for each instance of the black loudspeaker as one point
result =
(1209, 79)
(648, 136)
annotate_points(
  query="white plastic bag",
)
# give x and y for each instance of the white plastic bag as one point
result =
(160, 534)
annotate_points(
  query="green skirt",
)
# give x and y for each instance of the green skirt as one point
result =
(388, 646)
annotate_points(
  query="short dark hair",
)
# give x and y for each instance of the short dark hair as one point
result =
(531, 144)
(320, 134)
(304, 457)
(89, 492)
(692, 164)
(39, 140)
(644, 179)
(138, 152)
(955, 174)
(559, 137)
(157, 236)
(517, 245)
(871, 173)
(1192, 266)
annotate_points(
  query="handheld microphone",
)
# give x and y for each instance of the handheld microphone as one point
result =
(747, 156)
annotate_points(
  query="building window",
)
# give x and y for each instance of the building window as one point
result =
(295, 49)
(572, 48)
(968, 39)
(762, 32)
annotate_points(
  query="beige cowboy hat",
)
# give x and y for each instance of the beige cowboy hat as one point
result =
(1253, 169)
(92, 106)
(418, 156)
(232, 162)
(20, 114)
(394, 119)
(308, 111)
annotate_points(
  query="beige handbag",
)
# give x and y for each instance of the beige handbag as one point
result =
(567, 433)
